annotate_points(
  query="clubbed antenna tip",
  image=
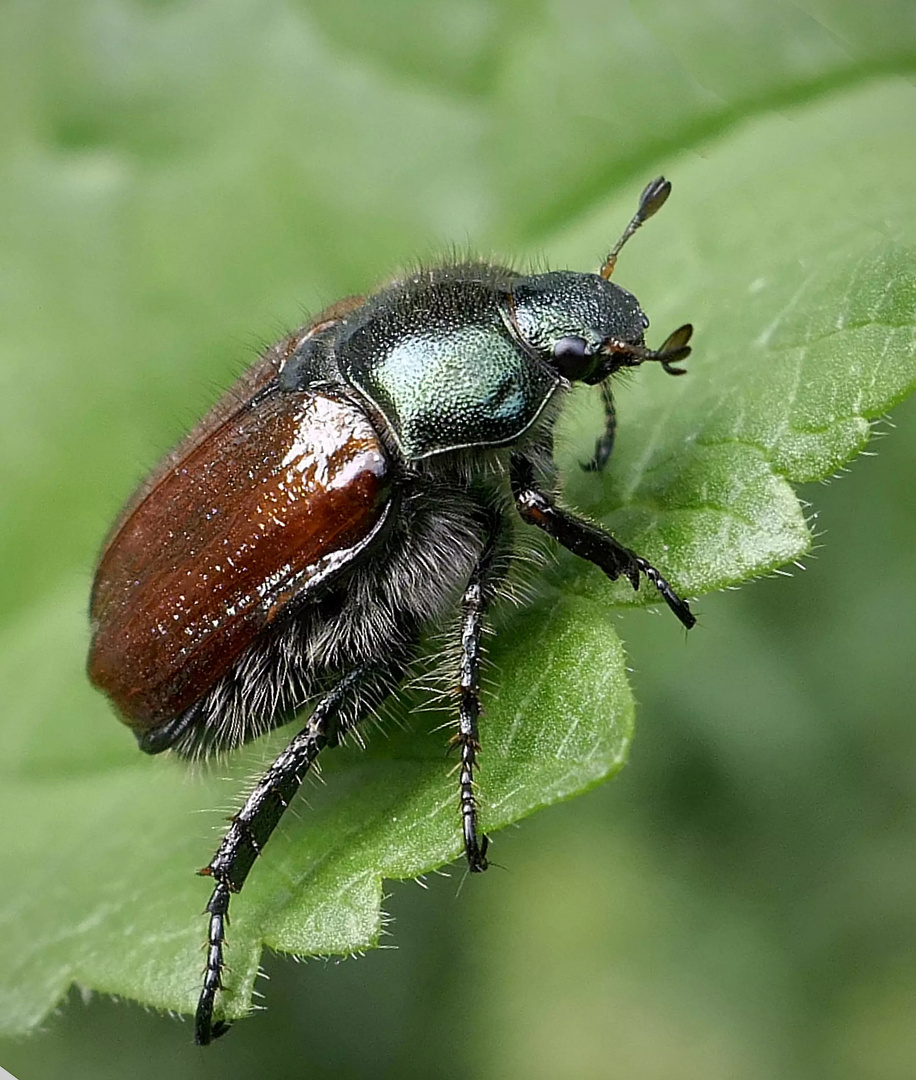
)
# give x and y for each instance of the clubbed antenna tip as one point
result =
(650, 202)
(674, 349)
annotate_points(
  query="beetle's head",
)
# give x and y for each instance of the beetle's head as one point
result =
(586, 327)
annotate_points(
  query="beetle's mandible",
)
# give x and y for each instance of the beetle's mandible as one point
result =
(362, 483)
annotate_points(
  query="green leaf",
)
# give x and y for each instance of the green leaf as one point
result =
(112, 904)
(170, 196)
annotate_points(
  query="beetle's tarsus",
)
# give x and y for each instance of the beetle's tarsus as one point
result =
(680, 607)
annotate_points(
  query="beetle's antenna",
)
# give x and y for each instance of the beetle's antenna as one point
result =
(674, 349)
(651, 200)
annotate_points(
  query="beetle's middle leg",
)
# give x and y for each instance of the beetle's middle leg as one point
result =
(478, 595)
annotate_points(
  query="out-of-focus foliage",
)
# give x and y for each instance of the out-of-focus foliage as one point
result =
(180, 181)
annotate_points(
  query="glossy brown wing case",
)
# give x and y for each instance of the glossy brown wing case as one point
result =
(246, 517)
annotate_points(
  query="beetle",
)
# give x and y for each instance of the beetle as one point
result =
(363, 482)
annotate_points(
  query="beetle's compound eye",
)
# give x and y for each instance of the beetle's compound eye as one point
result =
(571, 357)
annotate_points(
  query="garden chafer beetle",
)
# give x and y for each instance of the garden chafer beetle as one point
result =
(361, 484)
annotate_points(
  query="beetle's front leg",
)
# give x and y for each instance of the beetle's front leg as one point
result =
(605, 442)
(588, 541)
(254, 824)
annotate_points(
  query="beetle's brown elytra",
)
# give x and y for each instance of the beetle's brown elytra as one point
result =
(364, 480)
(192, 576)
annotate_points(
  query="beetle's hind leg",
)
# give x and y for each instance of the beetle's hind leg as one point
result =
(586, 540)
(251, 828)
(605, 442)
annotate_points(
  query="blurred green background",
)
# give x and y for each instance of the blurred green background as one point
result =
(180, 182)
